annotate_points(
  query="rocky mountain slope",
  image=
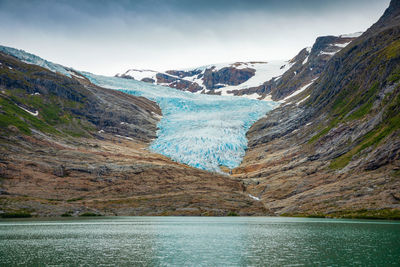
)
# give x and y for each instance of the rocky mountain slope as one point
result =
(69, 147)
(256, 80)
(334, 148)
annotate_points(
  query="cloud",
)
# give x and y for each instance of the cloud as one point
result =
(109, 36)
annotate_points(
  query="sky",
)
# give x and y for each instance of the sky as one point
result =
(109, 37)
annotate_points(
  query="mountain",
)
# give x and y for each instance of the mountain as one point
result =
(69, 147)
(329, 147)
(307, 65)
(334, 148)
(255, 80)
(221, 79)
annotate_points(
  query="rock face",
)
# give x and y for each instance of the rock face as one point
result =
(69, 147)
(177, 83)
(334, 149)
(226, 76)
(209, 78)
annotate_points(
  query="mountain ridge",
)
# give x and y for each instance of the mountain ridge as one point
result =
(254, 79)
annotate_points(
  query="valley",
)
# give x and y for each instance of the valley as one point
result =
(317, 135)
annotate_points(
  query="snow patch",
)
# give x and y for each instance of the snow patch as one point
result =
(301, 101)
(264, 72)
(30, 112)
(300, 90)
(252, 96)
(255, 198)
(351, 35)
(327, 53)
(268, 98)
(141, 74)
(156, 115)
(126, 137)
(75, 75)
(305, 60)
(341, 45)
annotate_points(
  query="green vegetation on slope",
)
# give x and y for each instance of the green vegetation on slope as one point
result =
(20, 86)
(50, 119)
(359, 75)
(390, 123)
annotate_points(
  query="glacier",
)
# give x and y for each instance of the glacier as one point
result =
(203, 131)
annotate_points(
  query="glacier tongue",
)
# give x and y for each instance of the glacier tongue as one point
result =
(203, 131)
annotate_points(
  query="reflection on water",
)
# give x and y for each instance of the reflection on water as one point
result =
(200, 241)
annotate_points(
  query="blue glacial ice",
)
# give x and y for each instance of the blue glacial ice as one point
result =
(202, 131)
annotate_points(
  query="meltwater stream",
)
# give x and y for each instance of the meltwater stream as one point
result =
(203, 131)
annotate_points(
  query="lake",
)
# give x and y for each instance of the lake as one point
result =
(199, 241)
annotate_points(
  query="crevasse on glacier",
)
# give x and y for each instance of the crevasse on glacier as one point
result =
(202, 131)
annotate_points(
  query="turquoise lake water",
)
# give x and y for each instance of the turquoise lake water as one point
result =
(199, 241)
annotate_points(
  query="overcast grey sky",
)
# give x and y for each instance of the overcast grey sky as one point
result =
(106, 37)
